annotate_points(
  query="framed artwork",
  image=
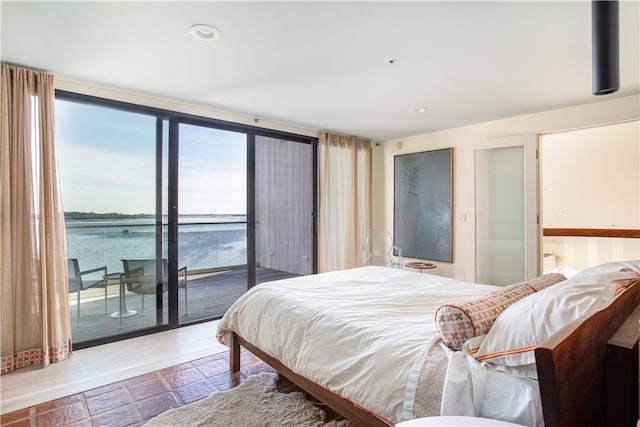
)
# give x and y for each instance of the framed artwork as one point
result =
(422, 214)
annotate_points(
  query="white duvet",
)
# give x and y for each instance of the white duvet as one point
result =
(358, 332)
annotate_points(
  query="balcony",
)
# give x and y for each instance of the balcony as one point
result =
(210, 295)
(214, 253)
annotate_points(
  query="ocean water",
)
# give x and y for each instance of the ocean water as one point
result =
(204, 241)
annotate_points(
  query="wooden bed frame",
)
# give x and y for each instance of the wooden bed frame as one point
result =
(348, 409)
(588, 371)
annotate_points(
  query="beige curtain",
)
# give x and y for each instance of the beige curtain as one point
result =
(34, 320)
(345, 200)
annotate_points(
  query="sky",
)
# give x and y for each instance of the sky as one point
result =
(107, 161)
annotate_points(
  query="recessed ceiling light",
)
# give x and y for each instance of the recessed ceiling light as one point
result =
(205, 32)
(419, 109)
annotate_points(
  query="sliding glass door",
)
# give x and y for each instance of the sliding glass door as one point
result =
(171, 217)
(226, 245)
(212, 220)
(111, 171)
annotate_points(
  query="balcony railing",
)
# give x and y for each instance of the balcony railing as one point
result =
(202, 246)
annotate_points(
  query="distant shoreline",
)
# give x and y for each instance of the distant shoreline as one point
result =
(75, 215)
(111, 215)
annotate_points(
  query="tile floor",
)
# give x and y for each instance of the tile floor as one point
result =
(94, 367)
(134, 401)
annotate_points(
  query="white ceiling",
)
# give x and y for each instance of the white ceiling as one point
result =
(326, 65)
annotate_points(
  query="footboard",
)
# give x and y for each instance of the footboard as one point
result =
(576, 364)
(345, 407)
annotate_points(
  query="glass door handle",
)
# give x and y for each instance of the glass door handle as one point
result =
(172, 231)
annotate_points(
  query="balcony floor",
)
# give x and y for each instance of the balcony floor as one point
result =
(209, 296)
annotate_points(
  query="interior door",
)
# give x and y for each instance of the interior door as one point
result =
(507, 237)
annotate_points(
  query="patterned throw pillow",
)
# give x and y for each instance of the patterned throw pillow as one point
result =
(463, 320)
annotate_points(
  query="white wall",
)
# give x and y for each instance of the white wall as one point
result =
(590, 178)
(572, 164)
(465, 140)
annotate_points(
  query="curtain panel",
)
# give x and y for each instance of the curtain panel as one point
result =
(34, 320)
(345, 200)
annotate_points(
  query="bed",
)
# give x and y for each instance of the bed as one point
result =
(382, 345)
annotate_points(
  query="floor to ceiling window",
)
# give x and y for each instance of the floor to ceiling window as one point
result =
(171, 217)
(109, 183)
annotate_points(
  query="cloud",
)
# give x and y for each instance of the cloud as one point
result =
(97, 181)
(214, 192)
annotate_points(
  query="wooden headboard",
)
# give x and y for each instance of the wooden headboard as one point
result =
(588, 371)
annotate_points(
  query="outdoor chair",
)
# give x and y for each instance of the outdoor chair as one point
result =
(140, 277)
(380, 250)
(78, 284)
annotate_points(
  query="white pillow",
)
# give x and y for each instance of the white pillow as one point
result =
(611, 267)
(471, 347)
(458, 321)
(525, 324)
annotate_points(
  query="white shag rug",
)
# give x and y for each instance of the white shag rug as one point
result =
(255, 402)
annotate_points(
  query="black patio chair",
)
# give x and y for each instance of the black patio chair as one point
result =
(140, 277)
(78, 284)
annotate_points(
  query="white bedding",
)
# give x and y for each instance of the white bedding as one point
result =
(362, 332)
(369, 335)
(477, 389)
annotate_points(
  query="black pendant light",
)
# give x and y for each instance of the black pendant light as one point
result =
(605, 47)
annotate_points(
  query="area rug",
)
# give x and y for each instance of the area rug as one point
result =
(255, 402)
